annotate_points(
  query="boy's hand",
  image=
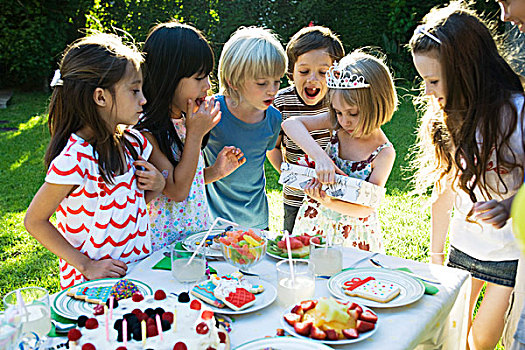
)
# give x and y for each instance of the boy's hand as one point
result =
(228, 160)
(149, 178)
(107, 268)
(205, 118)
(492, 212)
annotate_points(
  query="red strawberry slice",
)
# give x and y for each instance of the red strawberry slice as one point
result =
(355, 307)
(307, 305)
(180, 346)
(297, 309)
(195, 305)
(350, 333)
(137, 296)
(368, 316)
(292, 319)
(331, 334)
(303, 328)
(316, 333)
(363, 326)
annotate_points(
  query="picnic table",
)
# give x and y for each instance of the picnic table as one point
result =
(434, 321)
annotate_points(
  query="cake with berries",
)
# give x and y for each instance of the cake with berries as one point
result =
(151, 322)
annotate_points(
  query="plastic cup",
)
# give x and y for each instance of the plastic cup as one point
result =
(294, 290)
(35, 314)
(184, 272)
(328, 260)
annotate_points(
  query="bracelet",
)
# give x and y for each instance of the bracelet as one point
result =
(434, 253)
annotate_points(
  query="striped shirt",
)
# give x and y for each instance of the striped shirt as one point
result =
(290, 104)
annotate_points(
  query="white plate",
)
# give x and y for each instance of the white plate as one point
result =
(71, 308)
(281, 258)
(282, 343)
(262, 300)
(290, 330)
(190, 243)
(411, 289)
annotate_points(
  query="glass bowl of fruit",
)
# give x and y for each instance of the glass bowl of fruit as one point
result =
(243, 248)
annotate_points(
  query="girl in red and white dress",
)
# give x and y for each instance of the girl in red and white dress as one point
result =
(98, 180)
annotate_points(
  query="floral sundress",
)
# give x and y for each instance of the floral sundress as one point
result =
(172, 221)
(314, 218)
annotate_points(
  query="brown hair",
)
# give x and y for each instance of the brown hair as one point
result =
(98, 60)
(378, 102)
(309, 39)
(479, 85)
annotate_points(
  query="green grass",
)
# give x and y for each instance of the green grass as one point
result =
(23, 261)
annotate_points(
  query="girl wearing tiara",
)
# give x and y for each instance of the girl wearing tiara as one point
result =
(358, 147)
(470, 151)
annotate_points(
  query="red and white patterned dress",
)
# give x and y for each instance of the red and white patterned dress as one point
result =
(100, 220)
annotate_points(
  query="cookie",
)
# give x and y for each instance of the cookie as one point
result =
(237, 299)
(238, 279)
(371, 289)
(204, 292)
(123, 289)
(94, 295)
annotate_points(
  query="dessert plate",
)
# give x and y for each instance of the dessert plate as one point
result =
(411, 289)
(282, 343)
(262, 300)
(290, 330)
(71, 308)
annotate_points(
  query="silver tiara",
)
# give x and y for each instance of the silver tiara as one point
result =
(420, 29)
(337, 78)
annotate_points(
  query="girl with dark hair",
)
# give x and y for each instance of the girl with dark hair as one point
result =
(93, 183)
(471, 150)
(177, 119)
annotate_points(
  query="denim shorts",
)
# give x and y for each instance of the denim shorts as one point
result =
(497, 272)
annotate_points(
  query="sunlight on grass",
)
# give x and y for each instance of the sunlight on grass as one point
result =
(36, 120)
(19, 162)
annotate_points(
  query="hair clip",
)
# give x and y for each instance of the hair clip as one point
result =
(343, 79)
(421, 29)
(56, 81)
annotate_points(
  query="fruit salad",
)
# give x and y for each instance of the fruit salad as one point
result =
(242, 248)
(300, 246)
(330, 319)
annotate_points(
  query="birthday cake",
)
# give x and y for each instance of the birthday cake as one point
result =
(183, 325)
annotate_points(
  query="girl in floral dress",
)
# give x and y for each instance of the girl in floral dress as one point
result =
(362, 97)
(177, 119)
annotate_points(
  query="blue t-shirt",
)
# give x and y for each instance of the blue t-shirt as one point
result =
(240, 196)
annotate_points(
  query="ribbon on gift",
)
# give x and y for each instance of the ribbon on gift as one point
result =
(356, 282)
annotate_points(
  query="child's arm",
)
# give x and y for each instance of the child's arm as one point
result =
(275, 156)
(149, 179)
(180, 178)
(441, 210)
(36, 221)
(228, 160)
(297, 129)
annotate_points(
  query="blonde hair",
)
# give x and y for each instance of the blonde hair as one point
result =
(378, 102)
(251, 53)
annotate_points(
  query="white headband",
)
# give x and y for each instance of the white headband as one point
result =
(56, 81)
(421, 29)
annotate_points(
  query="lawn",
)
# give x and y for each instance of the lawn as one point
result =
(25, 262)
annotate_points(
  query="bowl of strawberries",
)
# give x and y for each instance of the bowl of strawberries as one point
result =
(330, 321)
(243, 248)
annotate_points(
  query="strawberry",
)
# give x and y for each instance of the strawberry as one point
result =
(282, 244)
(364, 326)
(74, 334)
(207, 315)
(202, 328)
(195, 305)
(88, 346)
(137, 296)
(92, 323)
(180, 346)
(350, 333)
(303, 328)
(295, 243)
(331, 334)
(292, 319)
(151, 331)
(355, 307)
(297, 309)
(368, 316)
(305, 240)
(316, 333)
(307, 305)
(168, 316)
(160, 295)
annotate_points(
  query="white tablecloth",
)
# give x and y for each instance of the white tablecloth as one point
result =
(435, 321)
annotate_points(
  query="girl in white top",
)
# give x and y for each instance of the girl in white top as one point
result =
(362, 98)
(471, 149)
(93, 183)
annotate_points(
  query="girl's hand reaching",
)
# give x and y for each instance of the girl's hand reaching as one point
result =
(204, 119)
(313, 190)
(107, 268)
(326, 170)
(228, 159)
(149, 178)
